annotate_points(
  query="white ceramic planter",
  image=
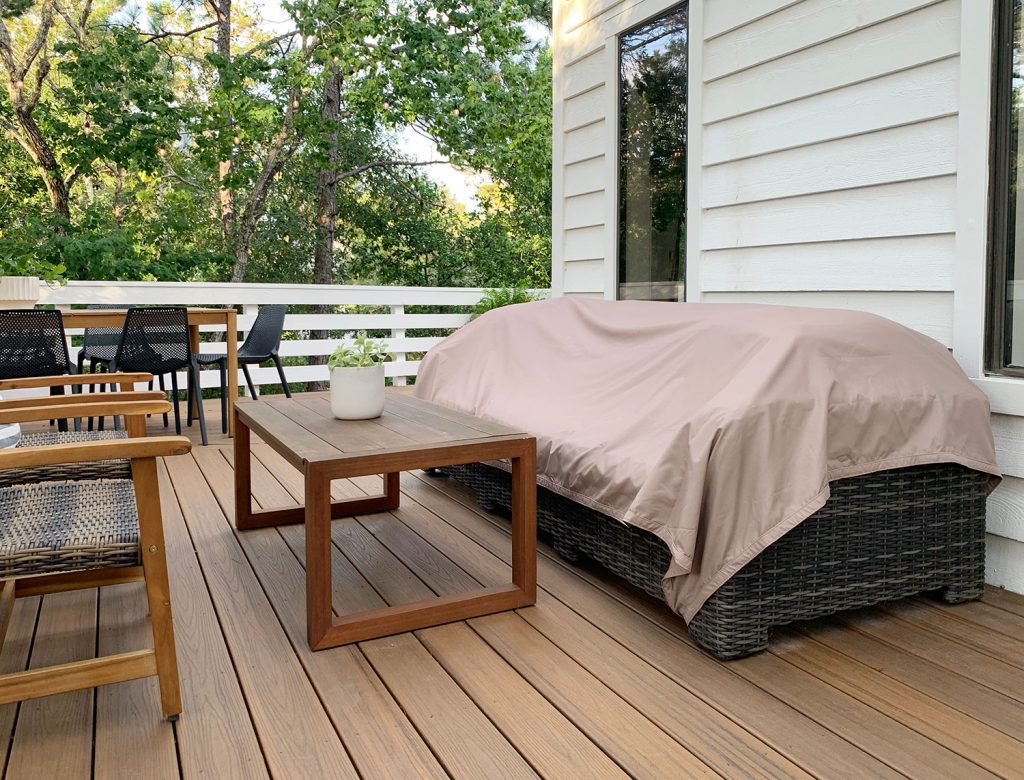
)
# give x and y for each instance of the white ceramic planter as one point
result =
(19, 292)
(357, 393)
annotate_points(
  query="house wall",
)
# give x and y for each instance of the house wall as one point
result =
(838, 154)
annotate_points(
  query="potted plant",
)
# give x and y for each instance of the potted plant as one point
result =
(357, 379)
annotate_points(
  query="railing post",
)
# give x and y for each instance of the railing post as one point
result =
(398, 333)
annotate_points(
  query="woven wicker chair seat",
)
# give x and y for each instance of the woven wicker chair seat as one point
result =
(51, 527)
(101, 469)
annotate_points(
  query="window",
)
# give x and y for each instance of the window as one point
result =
(1006, 273)
(652, 158)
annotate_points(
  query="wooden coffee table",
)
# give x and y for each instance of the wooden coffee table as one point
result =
(411, 434)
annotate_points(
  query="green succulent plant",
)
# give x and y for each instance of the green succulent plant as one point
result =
(362, 353)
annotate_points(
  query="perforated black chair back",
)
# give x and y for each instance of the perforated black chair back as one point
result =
(265, 336)
(101, 343)
(154, 340)
(32, 343)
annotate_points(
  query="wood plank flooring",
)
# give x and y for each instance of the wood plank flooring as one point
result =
(594, 681)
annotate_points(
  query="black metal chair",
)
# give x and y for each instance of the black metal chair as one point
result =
(99, 345)
(156, 340)
(33, 343)
(260, 345)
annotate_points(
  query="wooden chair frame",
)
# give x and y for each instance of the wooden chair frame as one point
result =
(161, 659)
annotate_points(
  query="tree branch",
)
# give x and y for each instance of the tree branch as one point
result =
(386, 164)
(174, 34)
(268, 43)
(45, 23)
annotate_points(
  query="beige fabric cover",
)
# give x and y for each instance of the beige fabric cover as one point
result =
(715, 426)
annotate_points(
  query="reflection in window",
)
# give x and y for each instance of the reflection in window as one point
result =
(652, 162)
(1006, 352)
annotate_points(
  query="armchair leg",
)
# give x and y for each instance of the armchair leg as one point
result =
(158, 591)
(280, 373)
(248, 380)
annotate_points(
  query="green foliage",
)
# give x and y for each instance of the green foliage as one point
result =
(141, 128)
(363, 353)
(502, 296)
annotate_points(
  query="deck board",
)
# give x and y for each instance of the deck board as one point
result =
(596, 680)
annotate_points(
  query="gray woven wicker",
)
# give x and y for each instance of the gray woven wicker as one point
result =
(102, 469)
(880, 537)
(57, 527)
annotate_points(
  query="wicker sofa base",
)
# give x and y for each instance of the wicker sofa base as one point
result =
(880, 537)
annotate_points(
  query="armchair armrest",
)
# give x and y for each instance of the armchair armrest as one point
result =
(81, 398)
(84, 452)
(95, 409)
(72, 380)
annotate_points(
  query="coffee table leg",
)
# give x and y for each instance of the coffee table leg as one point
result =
(319, 614)
(524, 522)
(393, 490)
(243, 476)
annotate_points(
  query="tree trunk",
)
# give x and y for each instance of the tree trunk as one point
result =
(326, 208)
(222, 9)
(31, 138)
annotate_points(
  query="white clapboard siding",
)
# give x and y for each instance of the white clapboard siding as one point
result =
(584, 74)
(900, 263)
(1004, 563)
(584, 210)
(583, 177)
(585, 243)
(584, 142)
(905, 208)
(899, 154)
(584, 276)
(925, 92)
(721, 17)
(930, 313)
(903, 42)
(1006, 509)
(1009, 437)
(584, 108)
(587, 11)
(794, 28)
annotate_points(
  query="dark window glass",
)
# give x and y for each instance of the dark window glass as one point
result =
(652, 158)
(1006, 301)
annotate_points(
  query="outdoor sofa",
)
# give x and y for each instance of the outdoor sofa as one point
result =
(901, 438)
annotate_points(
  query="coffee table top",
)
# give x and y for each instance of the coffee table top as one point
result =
(303, 430)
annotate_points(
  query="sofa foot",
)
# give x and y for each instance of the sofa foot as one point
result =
(961, 592)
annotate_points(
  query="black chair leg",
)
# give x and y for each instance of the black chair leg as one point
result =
(188, 400)
(177, 412)
(248, 380)
(223, 364)
(196, 388)
(280, 373)
(164, 388)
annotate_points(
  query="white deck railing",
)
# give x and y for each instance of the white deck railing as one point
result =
(379, 308)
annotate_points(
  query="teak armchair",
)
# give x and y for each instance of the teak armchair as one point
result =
(62, 528)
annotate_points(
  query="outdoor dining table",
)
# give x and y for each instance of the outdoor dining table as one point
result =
(228, 318)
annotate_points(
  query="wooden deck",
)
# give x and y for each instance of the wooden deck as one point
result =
(594, 681)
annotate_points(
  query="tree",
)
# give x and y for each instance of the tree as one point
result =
(75, 97)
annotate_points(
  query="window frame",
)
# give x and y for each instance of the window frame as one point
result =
(619, 190)
(999, 212)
